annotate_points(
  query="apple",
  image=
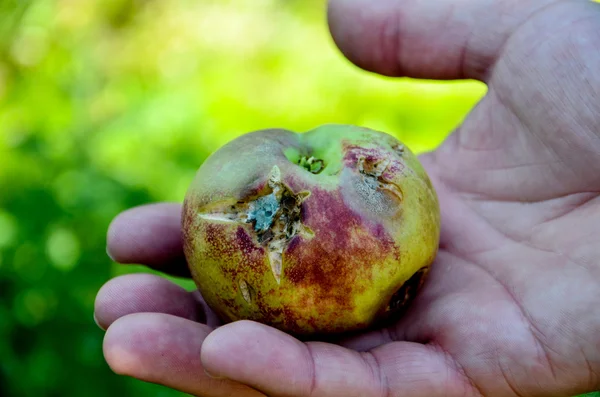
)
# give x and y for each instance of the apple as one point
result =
(323, 232)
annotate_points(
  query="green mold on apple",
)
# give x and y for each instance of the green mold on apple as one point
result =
(323, 232)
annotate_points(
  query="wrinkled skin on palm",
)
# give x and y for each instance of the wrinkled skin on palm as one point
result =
(328, 231)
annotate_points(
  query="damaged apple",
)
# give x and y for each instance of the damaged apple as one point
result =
(327, 231)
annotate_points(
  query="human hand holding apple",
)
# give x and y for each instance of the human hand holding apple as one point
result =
(510, 307)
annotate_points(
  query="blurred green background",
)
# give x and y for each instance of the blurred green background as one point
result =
(105, 105)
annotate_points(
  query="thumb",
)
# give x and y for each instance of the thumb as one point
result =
(279, 365)
(534, 136)
(430, 39)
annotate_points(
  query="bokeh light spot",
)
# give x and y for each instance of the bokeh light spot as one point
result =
(30, 47)
(32, 306)
(8, 229)
(63, 249)
(27, 263)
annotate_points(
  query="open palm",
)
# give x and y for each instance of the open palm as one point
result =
(512, 304)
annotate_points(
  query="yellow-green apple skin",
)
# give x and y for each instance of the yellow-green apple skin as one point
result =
(323, 232)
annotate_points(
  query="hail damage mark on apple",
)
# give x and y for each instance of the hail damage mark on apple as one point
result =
(399, 149)
(407, 292)
(275, 218)
(373, 170)
(374, 176)
(246, 291)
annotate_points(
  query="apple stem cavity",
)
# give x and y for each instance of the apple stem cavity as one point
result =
(311, 164)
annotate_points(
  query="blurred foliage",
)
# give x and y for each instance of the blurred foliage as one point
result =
(105, 105)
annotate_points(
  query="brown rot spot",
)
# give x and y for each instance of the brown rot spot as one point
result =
(407, 292)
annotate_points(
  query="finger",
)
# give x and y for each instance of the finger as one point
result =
(368, 340)
(429, 39)
(150, 235)
(136, 293)
(279, 365)
(164, 349)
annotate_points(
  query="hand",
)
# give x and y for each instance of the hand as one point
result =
(512, 304)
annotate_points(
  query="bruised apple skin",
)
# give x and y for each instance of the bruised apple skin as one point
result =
(323, 232)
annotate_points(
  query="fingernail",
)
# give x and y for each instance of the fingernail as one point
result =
(109, 255)
(213, 376)
(97, 323)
